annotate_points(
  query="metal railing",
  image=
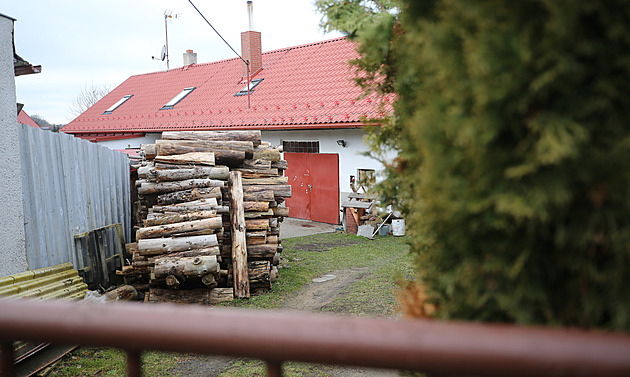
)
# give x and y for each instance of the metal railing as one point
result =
(441, 348)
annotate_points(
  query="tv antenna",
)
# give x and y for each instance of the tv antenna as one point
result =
(164, 55)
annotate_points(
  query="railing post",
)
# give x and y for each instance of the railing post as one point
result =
(274, 369)
(134, 363)
(6, 359)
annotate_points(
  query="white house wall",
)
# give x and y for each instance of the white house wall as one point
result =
(350, 158)
(12, 247)
(135, 142)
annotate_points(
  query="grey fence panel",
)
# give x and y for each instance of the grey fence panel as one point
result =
(70, 186)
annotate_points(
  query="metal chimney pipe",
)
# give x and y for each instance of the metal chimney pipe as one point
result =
(250, 14)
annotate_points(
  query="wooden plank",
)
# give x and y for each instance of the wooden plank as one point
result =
(189, 195)
(282, 164)
(356, 204)
(185, 266)
(356, 195)
(279, 191)
(153, 246)
(164, 146)
(256, 164)
(256, 224)
(158, 231)
(191, 296)
(203, 158)
(271, 154)
(255, 206)
(266, 181)
(163, 187)
(280, 211)
(253, 136)
(211, 172)
(239, 243)
(257, 215)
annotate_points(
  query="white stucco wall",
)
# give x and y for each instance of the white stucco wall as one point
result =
(350, 159)
(149, 138)
(12, 240)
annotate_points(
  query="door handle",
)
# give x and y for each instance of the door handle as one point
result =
(310, 187)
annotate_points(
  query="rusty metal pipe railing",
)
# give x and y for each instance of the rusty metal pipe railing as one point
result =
(418, 345)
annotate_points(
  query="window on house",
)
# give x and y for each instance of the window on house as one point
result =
(300, 146)
(117, 104)
(170, 104)
(252, 85)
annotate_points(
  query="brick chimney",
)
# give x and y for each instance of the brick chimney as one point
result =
(250, 46)
(190, 57)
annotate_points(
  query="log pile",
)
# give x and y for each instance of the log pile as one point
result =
(211, 206)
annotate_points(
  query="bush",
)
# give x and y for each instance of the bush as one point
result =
(514, 117)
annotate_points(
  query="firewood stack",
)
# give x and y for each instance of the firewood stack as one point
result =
(211, 208)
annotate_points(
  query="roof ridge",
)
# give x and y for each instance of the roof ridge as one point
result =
(305, 45)
(238, 58)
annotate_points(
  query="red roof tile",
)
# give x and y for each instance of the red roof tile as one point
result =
(307, 86)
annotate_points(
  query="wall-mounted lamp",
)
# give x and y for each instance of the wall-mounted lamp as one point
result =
(342, 143)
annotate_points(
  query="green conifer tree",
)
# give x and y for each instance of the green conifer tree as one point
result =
(514, 164)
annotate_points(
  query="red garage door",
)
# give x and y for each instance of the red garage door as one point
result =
(314, 179)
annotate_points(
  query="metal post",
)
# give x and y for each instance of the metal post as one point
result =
(134, 364)
(274, 369)
(166, 32)
(6, 359)
(248, 81)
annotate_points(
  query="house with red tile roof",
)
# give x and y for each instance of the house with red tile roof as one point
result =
(24, 118)
(303, 98)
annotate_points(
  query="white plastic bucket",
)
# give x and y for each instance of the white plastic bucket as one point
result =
(398, 227)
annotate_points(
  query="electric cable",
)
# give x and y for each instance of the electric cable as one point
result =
(215, 30)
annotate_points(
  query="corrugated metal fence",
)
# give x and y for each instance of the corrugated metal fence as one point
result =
(71, 186)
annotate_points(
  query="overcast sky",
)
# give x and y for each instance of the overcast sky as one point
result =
(103, 42)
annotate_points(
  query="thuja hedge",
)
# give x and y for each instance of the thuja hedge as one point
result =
(515, 118)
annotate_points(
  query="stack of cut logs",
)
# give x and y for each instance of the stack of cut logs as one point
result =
(210, 203)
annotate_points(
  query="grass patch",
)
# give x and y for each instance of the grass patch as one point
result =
(106, 362)
(305, 258)
(248, 368)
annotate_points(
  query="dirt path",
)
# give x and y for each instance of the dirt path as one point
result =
(323, 290)
(311, 298)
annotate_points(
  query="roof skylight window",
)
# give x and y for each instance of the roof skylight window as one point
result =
(171, 104)
(252, 85)
(117, 104)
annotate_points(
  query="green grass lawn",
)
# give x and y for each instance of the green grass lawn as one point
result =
(385, 259)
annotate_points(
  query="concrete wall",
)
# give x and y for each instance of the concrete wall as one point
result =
(12, 240)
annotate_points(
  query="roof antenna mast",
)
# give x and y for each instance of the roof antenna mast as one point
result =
(164, 55)
(167, 14)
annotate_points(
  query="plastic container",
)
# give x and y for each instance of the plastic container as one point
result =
(365, 231)
(398, 227)
(384, 231)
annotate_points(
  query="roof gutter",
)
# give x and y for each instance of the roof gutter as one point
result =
(123, 134)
